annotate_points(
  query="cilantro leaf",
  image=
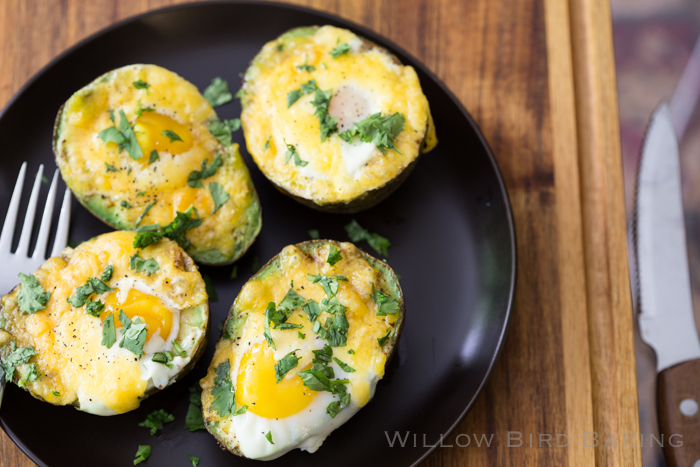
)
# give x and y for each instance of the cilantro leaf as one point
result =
(378, 243)
(351, 352)
(314, 234)
(241, 411)
(269, 437)
(301, 335)
(111, 114)
(328, 125)
(267, 143)
(222, 129)
(195, 178)
(386, 304)
(178, 350)
(218, 195)
(333, 256)
(142, 453)
(333, 408)
(344, 366)
(312, 310)
(15, 358)
(291, 301)
(145, 211)
(382, 340)
(153, 157)
(293, 96)
(175, 231)
(92, 285)
(222, 392)
(94, 308)
(125, 204)
(381, 131)
(164, 358)
(239, 94)
(194, 459)
(140, 110)
(32, 296)
(340, 49)
(292, 152)
(131, 145)
(112, 135)
(193, 419)
(141, 84)
(306, 67)
(309, 87)
(110, 168)
(107, 273)
(31, 375)
(149, 266)
(285, 365)
(330, 284)
(315, 380)
(266, 333)
(218, 92)
(211, 291)
(156, 419)
(134, 336)
(109, 332)
(171, 135)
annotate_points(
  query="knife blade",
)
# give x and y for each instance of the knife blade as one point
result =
(666, 318)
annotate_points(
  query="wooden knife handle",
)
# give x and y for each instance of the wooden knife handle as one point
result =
(676, 384)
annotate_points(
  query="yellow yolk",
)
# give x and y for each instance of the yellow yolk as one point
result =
(257, 387)
(150, 309)
(149, 130)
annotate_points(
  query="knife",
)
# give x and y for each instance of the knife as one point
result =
(666, 317)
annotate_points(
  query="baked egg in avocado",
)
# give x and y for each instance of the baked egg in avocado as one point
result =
(104, 325)
(303, 347)
(135, 147)
(332, 119)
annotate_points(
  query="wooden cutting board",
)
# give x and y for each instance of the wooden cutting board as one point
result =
(538, 76)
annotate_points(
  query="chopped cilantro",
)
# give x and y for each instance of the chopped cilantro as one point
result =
(330, 284)
(134, 334)
(176, 230)
(309, 87)
(340, 49)
(31, 375)
(142, 453)
(194, 459)
(110, 168)
(293, 96)
(193, 419)
(266, 333)
(222, 392)
(123, 136)
(171, 135)
(211, 291)
(280, 47)
(218, 92)
(222, 129)
(333, 256)
(312, 310)
(107, 273)
(153, 157)
(141, 84)
(269, 437)
(234, 272)
(56, 393)
(164, 358)
(301, 335)
(109, 332)
(145, 211)
(291, 301)
(267, 143)
(306, 67)
(313, 233)
(178, 350)
(218, 195)
(239, 94)
(14, 358)
(125, 204)
(140, 110)
(195, 178)
(156, 419)
(111, 115)
(285, 365)
(386, 304)
(32, 296)
(344, 366)
(381, 131)
(94, 308)
(92, 285)
(128, 171)
(382, 340)
(378, 243)
(292, 152)
(351, 352)
(149, 266)
(334, 408)
(328, 124)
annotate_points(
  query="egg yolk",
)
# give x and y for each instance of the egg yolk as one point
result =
(257, 387)
(150, 309)
(152, 130)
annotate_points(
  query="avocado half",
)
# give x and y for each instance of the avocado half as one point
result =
(43, 330)
(130, 194)
(337, 178)
(234, 326)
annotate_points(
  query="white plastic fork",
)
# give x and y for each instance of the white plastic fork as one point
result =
(20, 261)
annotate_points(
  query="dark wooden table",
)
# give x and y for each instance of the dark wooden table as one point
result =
(538, 76)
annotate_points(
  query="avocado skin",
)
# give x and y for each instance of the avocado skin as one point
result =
(392, 286)
(106, 210)
(369, 198)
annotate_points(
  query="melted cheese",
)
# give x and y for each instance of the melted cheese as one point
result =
(364, 81)
(73, 363)
(176, 106)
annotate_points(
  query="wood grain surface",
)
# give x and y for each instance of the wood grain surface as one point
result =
(538, 77)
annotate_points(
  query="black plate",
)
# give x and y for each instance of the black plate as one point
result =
(450, 225)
